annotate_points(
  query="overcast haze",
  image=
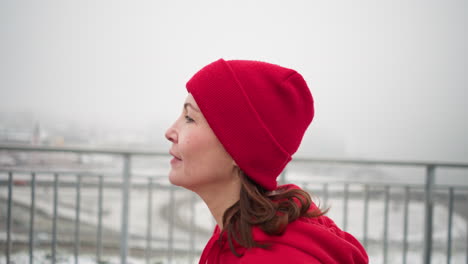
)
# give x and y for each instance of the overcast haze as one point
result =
(389, 78)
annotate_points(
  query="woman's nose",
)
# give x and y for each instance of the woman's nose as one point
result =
(171, 134)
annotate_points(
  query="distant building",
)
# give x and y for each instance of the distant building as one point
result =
(36, 135)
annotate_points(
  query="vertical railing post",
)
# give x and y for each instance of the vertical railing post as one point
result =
(10, 197)
(282, 177)
(192, 227)
(99, 224)
(149, 230)
(429, 206)
(345, 206)
(125, 208)
(385, 234)
(170, 230)
(405, 224)
(54, 220)
(466, 228)
(76, 252)
(366, 216)
(32, 213)
(449, 228)
(325, 195)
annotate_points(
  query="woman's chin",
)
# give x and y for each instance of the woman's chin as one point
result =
(173, 179)
(176, 180)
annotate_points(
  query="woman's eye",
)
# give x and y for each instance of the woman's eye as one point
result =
(188, 119)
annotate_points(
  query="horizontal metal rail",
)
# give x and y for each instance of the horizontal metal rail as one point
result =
(117, 151)
(80, 149)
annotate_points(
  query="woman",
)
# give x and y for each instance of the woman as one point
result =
(241, 123)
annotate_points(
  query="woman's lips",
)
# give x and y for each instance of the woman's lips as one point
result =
(175, 161)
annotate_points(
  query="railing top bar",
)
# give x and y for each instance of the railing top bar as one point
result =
(87, 150)
(383, 162)
(60, 172)
(117, 151)
(77, 172)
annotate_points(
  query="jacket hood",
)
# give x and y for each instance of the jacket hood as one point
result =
(306, 240)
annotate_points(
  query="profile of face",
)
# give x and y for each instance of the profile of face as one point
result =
(199, 159)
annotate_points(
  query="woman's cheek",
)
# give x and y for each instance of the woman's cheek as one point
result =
(192, 143)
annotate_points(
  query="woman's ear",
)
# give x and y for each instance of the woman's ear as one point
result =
(236, 167)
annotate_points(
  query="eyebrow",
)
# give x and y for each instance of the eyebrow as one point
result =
(191, 106)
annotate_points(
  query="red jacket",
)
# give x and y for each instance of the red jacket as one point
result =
(306, 240)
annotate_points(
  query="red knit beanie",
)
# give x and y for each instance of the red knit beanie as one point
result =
(259, 112)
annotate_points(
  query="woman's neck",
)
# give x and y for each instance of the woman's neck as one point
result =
(220, 198)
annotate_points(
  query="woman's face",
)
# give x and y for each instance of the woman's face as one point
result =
(200, 160)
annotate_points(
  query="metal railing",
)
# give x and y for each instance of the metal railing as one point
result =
(128, 182)
(429, 188)
(64, 184)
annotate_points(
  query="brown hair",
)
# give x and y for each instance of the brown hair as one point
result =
(271, 211)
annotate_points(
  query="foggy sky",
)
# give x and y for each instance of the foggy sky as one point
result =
(389, 78)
